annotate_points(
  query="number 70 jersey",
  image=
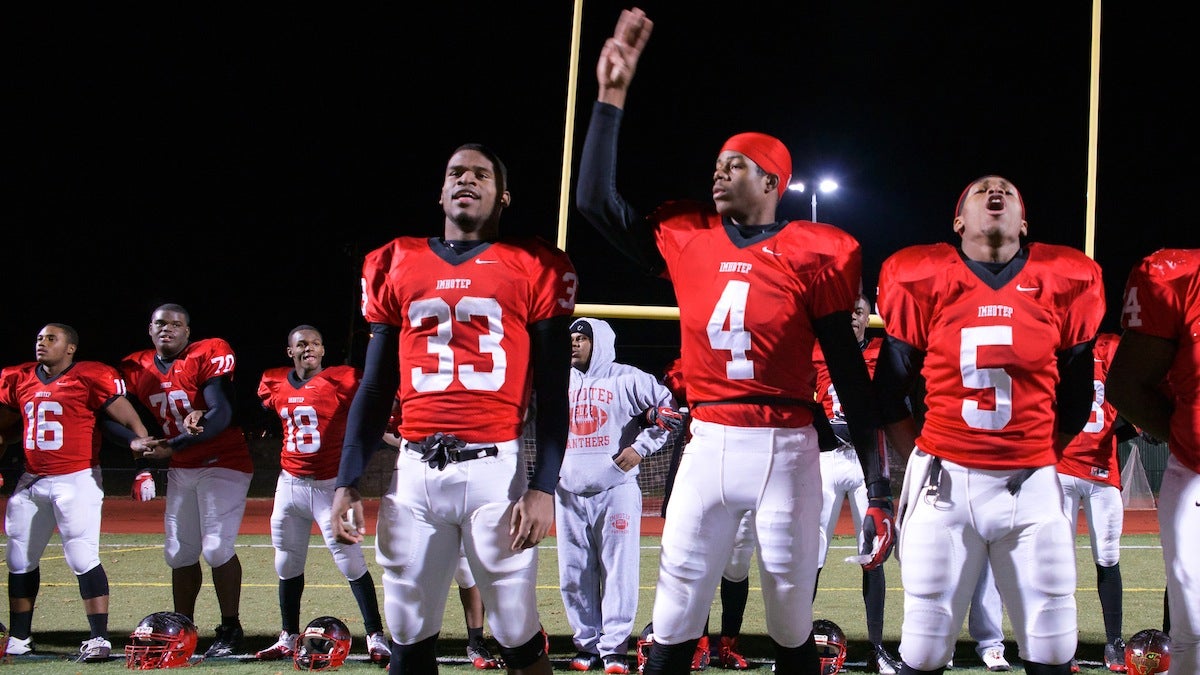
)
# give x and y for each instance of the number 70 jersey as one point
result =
(464, 320)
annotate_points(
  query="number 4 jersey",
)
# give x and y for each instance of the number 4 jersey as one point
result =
(747, 306)
(990, 354)
(465, 358)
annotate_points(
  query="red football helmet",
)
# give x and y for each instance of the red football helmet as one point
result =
(323, 645)
(645, 641)
(1148, 651)
(831, 645)
(161, 640)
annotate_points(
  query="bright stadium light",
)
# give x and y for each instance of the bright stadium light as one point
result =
(824, 185)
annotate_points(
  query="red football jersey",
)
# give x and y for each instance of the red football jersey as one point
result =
(172, 394)
(313, 415)
(60, 433)
(465, 360)
(990, 355)
(746, 312)
(1162, 298)
(826, 395)
(1093, 453)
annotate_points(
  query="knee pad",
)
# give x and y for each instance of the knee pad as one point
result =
(523, 656)
(25, 585)
(93, 583)
(419, 658)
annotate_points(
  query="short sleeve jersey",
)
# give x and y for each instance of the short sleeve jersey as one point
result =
(1162, 298)
(60, 413)
(1093, 453)
(172, 392)
(826, 395)
(747, 307)
(465, 361)
(990, 354)
(313, 413)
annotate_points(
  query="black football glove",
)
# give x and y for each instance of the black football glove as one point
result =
(664, 417)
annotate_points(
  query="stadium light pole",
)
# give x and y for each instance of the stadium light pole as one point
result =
(824, 185)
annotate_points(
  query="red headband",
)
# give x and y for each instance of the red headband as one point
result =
(766, 151)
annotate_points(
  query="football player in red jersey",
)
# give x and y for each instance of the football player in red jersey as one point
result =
(59, 400)
(842, 478)
(185, 386)
(456, 323)
(1153, 382)
(1091, 478)
(755, 293)
(1001, 332)
(312, 401)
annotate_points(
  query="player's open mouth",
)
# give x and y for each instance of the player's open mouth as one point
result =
(995, 202)
(465, 194)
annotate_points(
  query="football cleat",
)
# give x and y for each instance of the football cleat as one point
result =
(883, 662)
(283, 648)
(481, 658)
(585, 661)
(701, 657)
(19, 647)
(727, 655)
(229, 640)
(379, 648)
(1114, 656)
(614, 664)
(94, 650)
(993, 658)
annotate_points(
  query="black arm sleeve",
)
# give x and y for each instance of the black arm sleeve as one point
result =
(372, 404)
(115, 431)
(597, 197)
(1075, 392)
(551, 386)
(1124, 430)
(853, 384)
(216, 419)
(896, 373)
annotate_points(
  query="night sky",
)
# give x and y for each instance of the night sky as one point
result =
(240, 162)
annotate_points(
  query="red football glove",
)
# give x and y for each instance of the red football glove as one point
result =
(665, 417)
(143, 487)
(879, 533)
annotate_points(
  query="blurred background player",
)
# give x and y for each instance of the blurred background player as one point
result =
(753, 291)
(842, 477)
(1090, 473)
(311, 401)
(1153, 382)
(980, 323)
(598, 503)
(63, 404)
(187, 388)
(467, 327)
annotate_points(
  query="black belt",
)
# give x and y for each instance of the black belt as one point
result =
(441, 449)
(826, 439)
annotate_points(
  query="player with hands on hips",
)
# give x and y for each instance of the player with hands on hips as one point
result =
(598, 503)
(187, 388)
(62, 404)
(842, 478)
(1001, 332)
(753, 292)
(1153, 381)
(312, 400)
(456, 321)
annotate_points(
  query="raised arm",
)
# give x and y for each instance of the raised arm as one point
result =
(619, 57)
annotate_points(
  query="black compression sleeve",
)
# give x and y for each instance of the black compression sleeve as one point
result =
(896, 373)
(597, 198)
(219, 399)
(551, 383)
(857, 395)
(1075, 392)
(1123, 430)
(372, 405)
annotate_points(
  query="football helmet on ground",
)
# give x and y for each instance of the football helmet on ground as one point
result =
(831, 645)
(1148, 651)
(324, 644)
(645, 641)
(161, 640)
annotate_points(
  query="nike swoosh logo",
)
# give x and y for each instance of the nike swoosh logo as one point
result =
(485, 262)
(767, 250)
(1026, 289)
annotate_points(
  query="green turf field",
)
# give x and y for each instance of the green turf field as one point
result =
(140, 585)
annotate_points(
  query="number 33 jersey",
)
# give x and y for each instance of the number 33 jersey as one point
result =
(747, 306)
(464, 320)
(990, 354)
